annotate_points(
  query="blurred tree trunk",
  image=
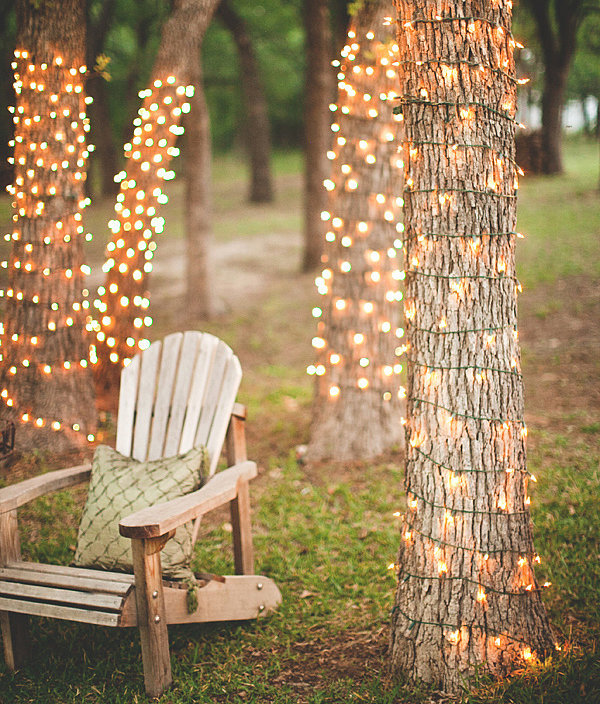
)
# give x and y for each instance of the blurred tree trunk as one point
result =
(198, 202)
(101, 135)
(256, 124)
(467, 597)
(557, 22)
(47, 386)
(317, 95)
(123, 302)
(357, 411)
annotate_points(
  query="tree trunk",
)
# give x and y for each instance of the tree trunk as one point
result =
(198, 203)
(553, 100)
(46, 383)
(256, 125)
(467, 596)
(123, 300)
(317, 94)
(358, 402)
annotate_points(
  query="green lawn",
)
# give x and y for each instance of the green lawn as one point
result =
(326, 534)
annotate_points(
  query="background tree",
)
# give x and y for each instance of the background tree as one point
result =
(99, 17)
(557, 24)
(198, 201)
(256, 124)
(123, 301)
(318, 92)
(467, 595)
(358, 402)
(44, 375)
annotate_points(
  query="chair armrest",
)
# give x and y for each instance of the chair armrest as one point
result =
(156, 521)
(11, 497)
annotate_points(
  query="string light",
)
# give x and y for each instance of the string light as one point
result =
(46, 302)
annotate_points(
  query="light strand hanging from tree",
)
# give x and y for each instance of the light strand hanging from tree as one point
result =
(466, 542)
(358, 329)
(46, 303)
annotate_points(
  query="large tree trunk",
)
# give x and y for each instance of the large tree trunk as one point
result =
(198, 203)
(467, 596)
(256, 124)
(46, 383)
(358, 402)
(317, 94)
(123, 303)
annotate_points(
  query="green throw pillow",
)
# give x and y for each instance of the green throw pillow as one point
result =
(120, 486)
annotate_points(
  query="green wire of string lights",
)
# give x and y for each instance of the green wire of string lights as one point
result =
(458, 472)
(471, 64)
(470, 512)
(437, 20)
(442, 189)
(479, 551)
(489, 329)
(465, 367)
(454, 627)
(409, 100)
(454, 277)
(457, 414)
(454, 236)
(470, 580)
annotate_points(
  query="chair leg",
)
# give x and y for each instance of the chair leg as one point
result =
(15, 627)
(15, 637)
(243, 551)
(151, 614)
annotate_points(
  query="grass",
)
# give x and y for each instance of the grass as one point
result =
(326, 534)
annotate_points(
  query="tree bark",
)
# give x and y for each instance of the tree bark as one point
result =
(45, 379)
(123, 300)
(467, 596)
(357, 413)
(198, 203)
(317, 95)
(256, 125)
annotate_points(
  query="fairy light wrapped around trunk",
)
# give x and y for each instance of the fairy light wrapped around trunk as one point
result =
(46, 383)
(121, 309)
(358, 341)
(467, 595)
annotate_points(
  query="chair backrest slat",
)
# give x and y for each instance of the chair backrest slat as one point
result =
(169, 363)
(145, 400)
(176, 394)
(181, 394)
(211, 395)
(127, 403)
(202, 372)
(222, 413)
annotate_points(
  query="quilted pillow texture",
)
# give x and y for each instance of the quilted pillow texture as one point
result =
(120, 486)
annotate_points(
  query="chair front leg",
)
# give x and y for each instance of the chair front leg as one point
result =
(243, 551)
(15, 627)
(151, 614)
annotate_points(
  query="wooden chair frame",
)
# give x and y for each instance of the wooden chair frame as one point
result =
(141, 599)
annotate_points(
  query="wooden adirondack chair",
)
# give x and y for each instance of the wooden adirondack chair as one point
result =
(177, 394)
